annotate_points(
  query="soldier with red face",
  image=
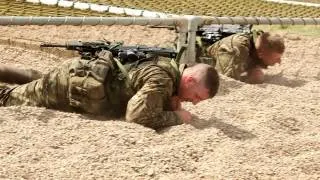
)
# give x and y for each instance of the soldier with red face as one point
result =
(149, 92)
(243, 56)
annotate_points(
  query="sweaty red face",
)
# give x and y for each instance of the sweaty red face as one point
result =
(194, 92)
(271, 59)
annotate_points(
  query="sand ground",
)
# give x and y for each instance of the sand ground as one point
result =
(267, 131)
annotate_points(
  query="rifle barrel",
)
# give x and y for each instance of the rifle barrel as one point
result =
(114, 48)
(52, 45)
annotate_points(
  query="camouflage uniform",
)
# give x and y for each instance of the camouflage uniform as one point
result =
(234, 55)
(141, 91)
(202, 53)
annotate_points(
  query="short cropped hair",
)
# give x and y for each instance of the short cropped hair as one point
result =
(211, 81)
(210, 78)
(273, 42)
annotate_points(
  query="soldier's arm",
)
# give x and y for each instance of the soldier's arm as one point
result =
(147, 106)
(230, 57)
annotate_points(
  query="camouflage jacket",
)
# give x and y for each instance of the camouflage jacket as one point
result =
(235, 54)
(100, 87)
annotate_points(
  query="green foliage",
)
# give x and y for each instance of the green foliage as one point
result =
(307, 30)
(218, 7)
(18, 8)
(309, 1)
(200, 7)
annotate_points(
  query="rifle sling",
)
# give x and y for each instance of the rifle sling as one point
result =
(179, 55)
(122, 69)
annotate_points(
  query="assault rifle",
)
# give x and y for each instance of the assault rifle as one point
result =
(89, 50)
(212, 33)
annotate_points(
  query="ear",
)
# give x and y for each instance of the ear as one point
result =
(260, 53)
(190, 81)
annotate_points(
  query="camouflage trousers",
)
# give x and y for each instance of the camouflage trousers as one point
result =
(77, 85)
(202, 55)
(49, 91)
(4, 94)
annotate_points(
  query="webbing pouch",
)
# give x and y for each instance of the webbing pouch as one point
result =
(87, 84)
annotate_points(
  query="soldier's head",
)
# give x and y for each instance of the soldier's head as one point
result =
(270, 48)
(198, 82)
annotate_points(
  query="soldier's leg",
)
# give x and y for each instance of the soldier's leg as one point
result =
(49, 91)
(4, 93)
(77, 85)
(12, 75)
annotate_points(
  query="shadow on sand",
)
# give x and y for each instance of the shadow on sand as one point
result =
(228, 85)
(280, 80)
(227, 129)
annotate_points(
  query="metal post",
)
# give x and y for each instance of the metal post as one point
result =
(182, 27)
(193, 23)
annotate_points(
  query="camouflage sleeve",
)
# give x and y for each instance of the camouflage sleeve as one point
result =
(230, 56)
(147, 106)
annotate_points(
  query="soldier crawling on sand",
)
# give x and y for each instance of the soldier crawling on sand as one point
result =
(147, 92)
(243, 55)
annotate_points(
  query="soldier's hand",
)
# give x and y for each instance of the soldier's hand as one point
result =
(175, 103)
(104, 54)
(255, 76)
(184, 115)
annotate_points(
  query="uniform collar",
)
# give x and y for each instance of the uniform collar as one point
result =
(179, 68)
(254, 55)
(182, 67)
